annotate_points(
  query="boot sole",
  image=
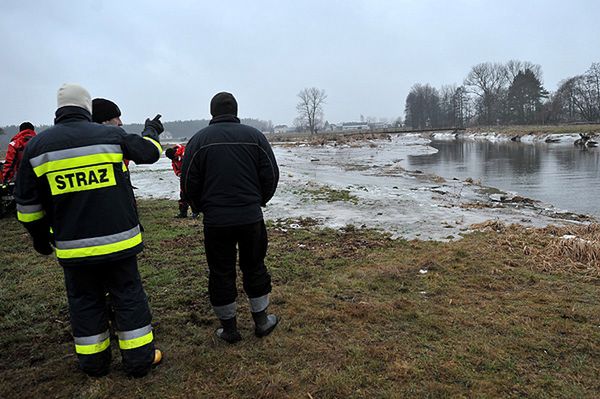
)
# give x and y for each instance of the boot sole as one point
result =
(234, 339)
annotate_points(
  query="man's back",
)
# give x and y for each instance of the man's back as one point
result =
(231, 172)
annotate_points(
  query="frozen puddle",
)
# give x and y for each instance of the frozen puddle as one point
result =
(366, 186)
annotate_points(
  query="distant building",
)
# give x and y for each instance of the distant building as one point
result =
(355, 126)
(280, 129)
(379, 125)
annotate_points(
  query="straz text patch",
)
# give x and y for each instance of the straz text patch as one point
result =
(81, 179)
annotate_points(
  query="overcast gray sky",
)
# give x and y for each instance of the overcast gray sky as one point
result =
(172, 57)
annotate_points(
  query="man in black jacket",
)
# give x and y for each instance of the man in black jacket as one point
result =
(72, 182)
(229, 172)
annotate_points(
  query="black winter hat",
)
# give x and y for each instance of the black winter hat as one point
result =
(223, 103)
(104, 110)
(26, 126)
(170, 152)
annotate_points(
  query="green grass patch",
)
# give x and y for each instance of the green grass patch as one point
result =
(359, 319)
(327, 194)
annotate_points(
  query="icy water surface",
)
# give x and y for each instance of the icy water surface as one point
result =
(368, 184)
(558, 173)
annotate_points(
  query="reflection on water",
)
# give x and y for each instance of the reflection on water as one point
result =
(560, 174)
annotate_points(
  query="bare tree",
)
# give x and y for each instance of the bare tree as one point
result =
(310, 107)
(577, 99)
(488, 81)
(422, 109)
(585, 96)
(513, 67)
(593, 78)
(447, 114)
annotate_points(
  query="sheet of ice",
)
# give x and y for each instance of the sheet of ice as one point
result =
(405, 203)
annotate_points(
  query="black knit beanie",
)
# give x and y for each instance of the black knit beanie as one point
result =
(223, 103)
(104, 110)
(170, 152)
(26, 126)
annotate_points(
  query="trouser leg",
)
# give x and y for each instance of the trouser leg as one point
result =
(132, 316)
(183, 206)
(221, 253)
(89, 322)
(253, 243)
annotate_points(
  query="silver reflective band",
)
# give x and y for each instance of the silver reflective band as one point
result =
(132, 334)
(95, 241)
(92, 339)
(29, 208)
(225, 312)
(259, 304)
(75, 152)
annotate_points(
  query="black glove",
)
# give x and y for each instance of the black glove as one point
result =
(42, 247)
(154, 124)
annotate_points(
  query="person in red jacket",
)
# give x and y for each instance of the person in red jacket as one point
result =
(14, 152)
(175, 154)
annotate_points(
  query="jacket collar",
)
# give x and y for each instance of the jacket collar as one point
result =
(224, 118)
(23, 133)
(70, 113)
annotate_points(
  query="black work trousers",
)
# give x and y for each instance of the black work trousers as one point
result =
(86, 291)
(220, 245)
(183, 204)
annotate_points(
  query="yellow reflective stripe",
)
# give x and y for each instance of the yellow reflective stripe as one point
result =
(93, 348)
(156, 144)
(136, 342)
(76, 162)
(124, 167)
(30, 217)
(99, 249)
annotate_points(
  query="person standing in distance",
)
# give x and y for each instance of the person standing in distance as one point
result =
(229, 171)
(72, 181)
(175, 154)
(14, 151)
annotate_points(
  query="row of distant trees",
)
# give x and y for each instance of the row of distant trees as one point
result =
(178, 129)
(509, 93)
(188, 128)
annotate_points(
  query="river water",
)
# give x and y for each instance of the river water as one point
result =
(391, 184)
(557, 173)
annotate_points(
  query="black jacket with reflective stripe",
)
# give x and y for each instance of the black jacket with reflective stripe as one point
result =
(228, 172)
(72, 180)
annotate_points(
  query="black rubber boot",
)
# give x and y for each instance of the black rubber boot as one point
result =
(183, 210)
(264, 323)
(229, 332)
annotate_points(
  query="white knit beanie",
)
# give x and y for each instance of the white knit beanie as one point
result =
(74, 95)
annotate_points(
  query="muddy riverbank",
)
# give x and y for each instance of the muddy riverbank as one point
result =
(364, 183)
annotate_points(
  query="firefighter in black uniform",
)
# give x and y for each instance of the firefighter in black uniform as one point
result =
(72, 194)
